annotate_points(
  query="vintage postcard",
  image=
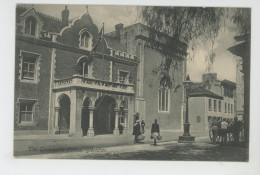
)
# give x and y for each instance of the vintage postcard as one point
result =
(132, 82)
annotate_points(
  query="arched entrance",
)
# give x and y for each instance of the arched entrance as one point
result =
(104, 115)
(85, 116)
(64, 114)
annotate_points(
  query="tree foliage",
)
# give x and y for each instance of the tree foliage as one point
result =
(188, 24)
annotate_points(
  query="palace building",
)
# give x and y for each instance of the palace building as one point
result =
(70, 78)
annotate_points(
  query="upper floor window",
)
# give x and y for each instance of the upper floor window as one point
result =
(219, 106)
(228, 108)
(210, 105)
(123, 77)
(85, 41)
(84, 66)
(30, 26)
(164, 99)
(29, 66)
(225, 107)
(231, 108)
(215, 105)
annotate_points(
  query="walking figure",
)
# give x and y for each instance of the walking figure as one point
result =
(155, 132)
(136, 131)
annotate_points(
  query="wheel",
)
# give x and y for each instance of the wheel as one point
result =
(211, 136)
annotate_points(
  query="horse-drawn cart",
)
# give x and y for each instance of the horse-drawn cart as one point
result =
(230, 130)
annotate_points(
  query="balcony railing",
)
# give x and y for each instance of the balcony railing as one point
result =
(90, 83)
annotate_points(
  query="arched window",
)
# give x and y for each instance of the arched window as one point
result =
(84, 66)
(30, 26)
(163, 99)
(85, 40)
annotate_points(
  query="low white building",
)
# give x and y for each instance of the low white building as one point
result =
(215, 99)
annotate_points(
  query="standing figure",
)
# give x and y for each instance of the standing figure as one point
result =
(224, 126)
(142, 126)
(155, 131)
(236, 130)
(136, 131)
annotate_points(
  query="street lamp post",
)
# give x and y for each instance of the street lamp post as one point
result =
(186, 137)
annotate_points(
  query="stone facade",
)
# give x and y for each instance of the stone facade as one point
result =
(71, 81)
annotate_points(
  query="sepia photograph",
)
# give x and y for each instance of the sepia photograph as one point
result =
(117, 82)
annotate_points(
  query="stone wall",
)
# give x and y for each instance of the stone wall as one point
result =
(39, 91)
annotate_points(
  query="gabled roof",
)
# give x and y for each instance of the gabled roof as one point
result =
(51, 24)
(201, 92)
(114, 44)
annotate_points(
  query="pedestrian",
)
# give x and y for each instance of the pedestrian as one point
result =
(136, 117)
(136, 131)
(155, 132)
(214, 126)
(236, 130)
(224, 126)
(142, 126)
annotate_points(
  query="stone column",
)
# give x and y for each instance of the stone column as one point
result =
(75, 112)
(56, 120)
(116, 130)
(125, 131)
(90, 128)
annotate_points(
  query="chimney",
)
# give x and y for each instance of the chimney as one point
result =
(65, 16)
(118, 27)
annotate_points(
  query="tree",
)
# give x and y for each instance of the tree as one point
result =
(191, 24)
(188, 24)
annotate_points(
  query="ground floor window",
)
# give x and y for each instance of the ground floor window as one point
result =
(26, 111)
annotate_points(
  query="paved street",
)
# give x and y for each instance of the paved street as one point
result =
(201, 150)
(40, 142)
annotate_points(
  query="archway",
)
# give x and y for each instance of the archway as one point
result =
(104, 115)
(85, 116)
(64, 114)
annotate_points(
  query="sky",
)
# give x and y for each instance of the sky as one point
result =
(225, 62)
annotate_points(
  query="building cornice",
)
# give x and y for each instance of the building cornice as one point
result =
(51, 44)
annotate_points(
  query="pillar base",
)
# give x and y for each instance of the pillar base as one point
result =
(125, 131)
(91, 132)
(116, 132)
(56, 130)
(77, 134)
(186, 139)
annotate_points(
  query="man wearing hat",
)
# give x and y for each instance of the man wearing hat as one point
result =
(155, 131)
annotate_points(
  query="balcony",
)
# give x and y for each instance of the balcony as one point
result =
(89, 83)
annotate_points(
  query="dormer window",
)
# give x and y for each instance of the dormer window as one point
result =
(85, 40)
(30, 26)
